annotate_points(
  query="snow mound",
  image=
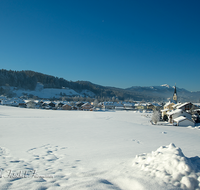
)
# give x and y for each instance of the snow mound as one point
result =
(170, 164)
(191, 127)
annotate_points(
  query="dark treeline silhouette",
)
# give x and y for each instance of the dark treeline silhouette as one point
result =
(28, 80)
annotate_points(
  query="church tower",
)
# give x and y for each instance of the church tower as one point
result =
(175, 95)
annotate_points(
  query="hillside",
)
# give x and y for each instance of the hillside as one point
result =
(17, 83)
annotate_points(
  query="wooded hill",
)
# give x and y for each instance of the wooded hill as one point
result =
(28, 80)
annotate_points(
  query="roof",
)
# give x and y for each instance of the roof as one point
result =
(108, 103)
(67, 104)
(118, 105)
(168, 103)
(175, 105)
(182, 118)
(164, 110)
(175, 111)
(128, 105)
(86, 104)
(181, 105)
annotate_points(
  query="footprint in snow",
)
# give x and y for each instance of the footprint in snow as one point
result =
(138, 142)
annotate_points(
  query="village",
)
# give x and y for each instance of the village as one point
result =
(171, 113)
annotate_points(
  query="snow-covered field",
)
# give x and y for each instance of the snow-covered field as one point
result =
(46, 149)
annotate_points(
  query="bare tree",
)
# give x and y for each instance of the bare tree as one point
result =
(155, 117)
(95, 103)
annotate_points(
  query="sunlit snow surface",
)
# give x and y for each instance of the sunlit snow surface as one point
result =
(45, 149)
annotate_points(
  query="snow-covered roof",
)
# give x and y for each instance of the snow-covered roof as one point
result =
(168, 103)
(156, 104)
(164, 110)
(181, 118)
(107, 103)
(197, 104)
(86, 104)
(3, 97)
(118, 105)
(175, 105)
(67, 104)
(181, 105)
(128, 105)
(175, 111)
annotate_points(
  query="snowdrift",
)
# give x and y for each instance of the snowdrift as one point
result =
(170, 164)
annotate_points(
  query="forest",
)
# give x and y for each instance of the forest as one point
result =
(28, 80)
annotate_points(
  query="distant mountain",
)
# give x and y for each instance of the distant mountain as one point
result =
(165, 91)
(42, 85)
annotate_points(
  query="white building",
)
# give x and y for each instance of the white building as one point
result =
(184, 121)
(176, 113)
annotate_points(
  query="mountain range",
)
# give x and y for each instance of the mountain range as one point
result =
(16, 83)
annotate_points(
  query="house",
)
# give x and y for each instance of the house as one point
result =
(3, 97)
(141, 106)
(22, 105)
(108, 105)
(118, 106)
(59, 105)
(177, 113)
(74, 108)
(40, 102)
(176, 105)
(30, 104)
(186, 106)
(79, 104)
(66, 107)
(196, 117)
(52, 104)
(44, 105)
(164, 114)
(86, 106)
(150, 107)
(169, 105)
(12, 102)
(128, 106)
(183, 121)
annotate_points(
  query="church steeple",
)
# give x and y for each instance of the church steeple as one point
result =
(175, 95)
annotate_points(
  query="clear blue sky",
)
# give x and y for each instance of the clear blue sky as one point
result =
(108, 42)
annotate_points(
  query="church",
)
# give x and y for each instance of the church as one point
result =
(175, 96)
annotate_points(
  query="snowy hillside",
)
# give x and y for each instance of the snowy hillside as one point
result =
(46, 149)
(42, 92)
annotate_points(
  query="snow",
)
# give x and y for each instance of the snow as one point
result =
(164, 110)
(47, 92)
(168, 103)
(181, 118)
(182, 105)
(166, 85)
(42, 92)
(175, 111)
(56, 149)
(170, 164)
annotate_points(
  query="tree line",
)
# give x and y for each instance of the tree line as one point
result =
(28, 80)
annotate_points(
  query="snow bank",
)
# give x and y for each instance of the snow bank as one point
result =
(191, 127)
(170, 164)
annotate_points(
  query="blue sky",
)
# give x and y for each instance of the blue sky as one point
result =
(108, 42)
